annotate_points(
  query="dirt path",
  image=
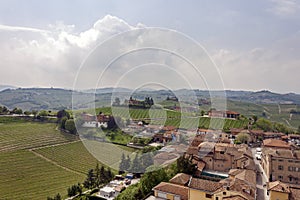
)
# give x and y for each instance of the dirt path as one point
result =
(53, 162)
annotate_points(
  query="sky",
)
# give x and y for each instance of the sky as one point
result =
(253, 45)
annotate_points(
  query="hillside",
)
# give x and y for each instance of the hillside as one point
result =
(276, 107)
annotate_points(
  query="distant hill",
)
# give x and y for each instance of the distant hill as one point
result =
(56, 98)
(5, 87)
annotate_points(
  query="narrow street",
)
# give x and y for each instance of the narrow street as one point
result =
(261, 179)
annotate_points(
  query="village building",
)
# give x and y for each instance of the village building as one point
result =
(275, 143)
(223, 114)
(241, 184)
(278, 190)
(221, 156)
(281, 164)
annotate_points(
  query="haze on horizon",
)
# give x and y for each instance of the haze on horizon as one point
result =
(255, 44)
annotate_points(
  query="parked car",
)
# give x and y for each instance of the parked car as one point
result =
(258, 156)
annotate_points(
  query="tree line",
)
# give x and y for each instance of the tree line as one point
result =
(95, 178)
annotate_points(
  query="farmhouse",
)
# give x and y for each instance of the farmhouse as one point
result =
(223, 114)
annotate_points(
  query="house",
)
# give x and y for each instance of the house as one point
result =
(241, 184)
(171, 191)
(278, 190)
(274, 143)
(107, 192)
(222, 156)
(88, 117)
(274, 135)
(281, 164)
(223, 114)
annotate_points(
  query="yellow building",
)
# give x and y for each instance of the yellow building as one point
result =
(278, 191)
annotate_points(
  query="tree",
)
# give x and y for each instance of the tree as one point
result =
(57, 197)
(102, 175)
(146, 160)
(202, 112)
(136, 166)
(43, 113)
(90, 181)
(127, 163)
(27, 113)
(109, 175)
(264, 124)
(122, 166)
(243, 138)
(62, 122)
(70, 126)
(18, 111)
(3, 110)
(62, 113)
(254, 117)
(185, 165)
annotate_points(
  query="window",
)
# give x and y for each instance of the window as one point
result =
(280, 160)
(224, 193)
(208, 195)
(280, 167)
(291, 179)
(290, 160)
(280, 177)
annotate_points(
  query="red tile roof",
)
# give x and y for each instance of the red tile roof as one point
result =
(276, 143)
(204, 185)
(278, 186)
(181, 179)
(171, 188)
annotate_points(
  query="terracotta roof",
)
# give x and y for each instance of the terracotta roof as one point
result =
(295, 193)
(276, 143)
(278, 186)
(165, 158)
(181, 179)
(282, 153)
(232, 112)
(234, 197)
(204, 185)
(200, 164)
(192, 151)
(245, 175)
(257, 132)
(243, 187)
(273, 133)
(171, 188)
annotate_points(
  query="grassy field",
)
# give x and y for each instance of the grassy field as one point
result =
(27, 176)
(73, 156)
(26, 135)
(203, 122)
(135, 113)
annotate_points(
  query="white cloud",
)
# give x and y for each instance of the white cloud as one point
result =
(275, 67)
(34, 57)
(284, 8)
(19, 28)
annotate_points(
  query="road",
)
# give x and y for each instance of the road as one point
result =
(261, 179)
